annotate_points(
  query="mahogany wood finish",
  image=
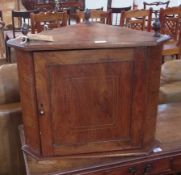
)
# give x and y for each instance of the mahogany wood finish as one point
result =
(47, 20)
(137, 19)
(167, 161)
(93, 92)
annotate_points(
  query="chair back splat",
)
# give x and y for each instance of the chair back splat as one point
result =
(137, 19)
(48, 20)
(156, 6)
(95, 16)
(170, 20)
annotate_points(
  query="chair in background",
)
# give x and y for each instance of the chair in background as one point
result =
(116, 14)
(47, 20)
(71, 8)
(137, 19)
(18, 19)
(156, 6)
(95, 16)
(170, 20)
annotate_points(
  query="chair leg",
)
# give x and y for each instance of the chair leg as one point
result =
(8, 54)
(177, 56)
(163, 59)
(8, 51)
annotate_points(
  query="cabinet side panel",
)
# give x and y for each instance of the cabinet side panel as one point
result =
(153, 77)
(28, 100)
(139, 94)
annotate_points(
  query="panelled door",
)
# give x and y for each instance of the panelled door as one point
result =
(87, 101)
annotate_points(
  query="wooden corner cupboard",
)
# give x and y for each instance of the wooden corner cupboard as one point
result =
(92, 92)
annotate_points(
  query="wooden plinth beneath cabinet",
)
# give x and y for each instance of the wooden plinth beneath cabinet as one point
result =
(93, 92)
(165, 162)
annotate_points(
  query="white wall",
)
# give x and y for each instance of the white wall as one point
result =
(92, 4)
(103, 3)
(123, 3)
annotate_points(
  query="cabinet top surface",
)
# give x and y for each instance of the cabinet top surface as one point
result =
(90, 36)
